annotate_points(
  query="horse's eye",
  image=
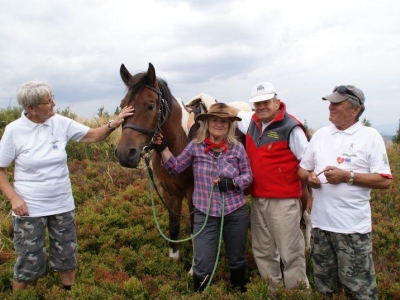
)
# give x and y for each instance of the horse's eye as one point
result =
(151, 106)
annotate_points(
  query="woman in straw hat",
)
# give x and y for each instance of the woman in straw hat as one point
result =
(221, 163)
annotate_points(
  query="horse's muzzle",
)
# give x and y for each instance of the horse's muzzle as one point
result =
(129, 158)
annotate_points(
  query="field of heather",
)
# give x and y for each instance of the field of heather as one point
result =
(123, 256)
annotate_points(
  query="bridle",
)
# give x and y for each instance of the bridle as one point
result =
(162, 116)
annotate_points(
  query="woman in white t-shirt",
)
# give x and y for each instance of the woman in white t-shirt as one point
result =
(41, 194)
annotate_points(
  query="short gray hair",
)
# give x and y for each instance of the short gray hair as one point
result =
(354, 104)
(32, 93)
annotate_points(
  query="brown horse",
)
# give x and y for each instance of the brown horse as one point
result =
(156, 110)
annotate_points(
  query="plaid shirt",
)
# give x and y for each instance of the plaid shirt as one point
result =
(233, 164)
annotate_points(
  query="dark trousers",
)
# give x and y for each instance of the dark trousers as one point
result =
(236, 226)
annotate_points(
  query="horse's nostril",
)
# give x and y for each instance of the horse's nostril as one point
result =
(132, 153)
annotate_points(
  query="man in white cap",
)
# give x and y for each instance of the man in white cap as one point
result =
(342, 163)
(275, 143)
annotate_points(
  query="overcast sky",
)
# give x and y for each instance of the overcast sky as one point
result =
(221, 48)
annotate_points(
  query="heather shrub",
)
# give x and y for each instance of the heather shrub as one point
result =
(122, 255)
(7, 116)
(134, 289)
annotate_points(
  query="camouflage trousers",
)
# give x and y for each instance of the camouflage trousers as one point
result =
(29, 243)
(343, 261)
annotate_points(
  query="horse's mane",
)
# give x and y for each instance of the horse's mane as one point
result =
(139, 81)
(166, 92)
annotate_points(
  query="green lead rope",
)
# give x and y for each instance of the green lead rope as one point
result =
(221, 230)
(201, 229)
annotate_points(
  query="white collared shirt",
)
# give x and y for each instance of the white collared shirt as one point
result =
(341, 207)
(41, 174)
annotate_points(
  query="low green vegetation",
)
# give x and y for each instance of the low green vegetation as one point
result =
(123, 256)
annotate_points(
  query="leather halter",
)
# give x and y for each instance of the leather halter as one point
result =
(163, 113)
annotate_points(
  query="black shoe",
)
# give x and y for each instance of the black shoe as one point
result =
(238, 279)
(199, 284)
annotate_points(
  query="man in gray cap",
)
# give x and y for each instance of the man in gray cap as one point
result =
(275, 143)
(342, 163)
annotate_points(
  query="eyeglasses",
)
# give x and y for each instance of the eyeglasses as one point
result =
(341, 89)
(49, 102)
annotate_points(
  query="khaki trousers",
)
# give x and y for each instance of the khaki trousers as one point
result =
(276, 236)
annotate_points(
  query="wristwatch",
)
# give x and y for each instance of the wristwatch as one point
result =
(109, 126)
(351, 180)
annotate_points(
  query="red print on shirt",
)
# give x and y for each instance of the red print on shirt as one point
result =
(340, 160)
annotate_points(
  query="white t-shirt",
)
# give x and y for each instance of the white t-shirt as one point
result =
(41, 174)
(344, 208)
(297, 139)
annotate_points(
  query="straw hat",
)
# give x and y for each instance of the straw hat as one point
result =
(220, 110)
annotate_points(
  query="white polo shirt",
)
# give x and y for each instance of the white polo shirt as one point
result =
(344, 208)
(41, 174)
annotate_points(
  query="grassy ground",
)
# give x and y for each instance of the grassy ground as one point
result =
(123, 256)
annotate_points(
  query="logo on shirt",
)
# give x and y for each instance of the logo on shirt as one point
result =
(54, 143)
(273, 134)
(346, 158)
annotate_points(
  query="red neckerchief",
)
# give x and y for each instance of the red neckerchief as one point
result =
(211, 145)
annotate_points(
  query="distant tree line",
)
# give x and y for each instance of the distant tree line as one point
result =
(396, 138)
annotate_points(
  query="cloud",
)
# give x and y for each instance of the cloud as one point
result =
(222, 48)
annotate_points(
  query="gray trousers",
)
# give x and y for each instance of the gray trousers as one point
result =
(205, 245)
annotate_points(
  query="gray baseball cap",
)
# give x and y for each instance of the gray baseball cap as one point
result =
(343, 92)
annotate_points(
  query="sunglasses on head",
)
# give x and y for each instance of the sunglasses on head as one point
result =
(342, 89)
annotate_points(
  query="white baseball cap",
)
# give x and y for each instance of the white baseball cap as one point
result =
(262, 91)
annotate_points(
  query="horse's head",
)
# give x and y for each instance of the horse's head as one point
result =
(151, 99)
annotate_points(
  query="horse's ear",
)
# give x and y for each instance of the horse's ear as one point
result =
(151, 75)
(125, 75)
